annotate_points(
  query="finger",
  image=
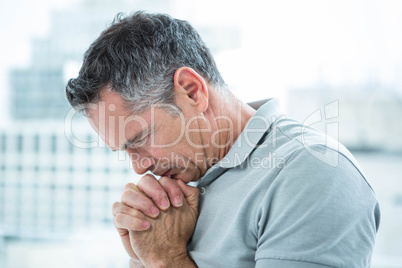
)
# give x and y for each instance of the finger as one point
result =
(190, 193)
(173, 190)
(128, 222)
(119, 207)
(151, 187)
(122, 232)
(125, 239)
(137, 201)
(130, 186)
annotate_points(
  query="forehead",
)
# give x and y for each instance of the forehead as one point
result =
(113, 123)
(110, 104)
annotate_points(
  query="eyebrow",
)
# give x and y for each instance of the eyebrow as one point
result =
(135, 138)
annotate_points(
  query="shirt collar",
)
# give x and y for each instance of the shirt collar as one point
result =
(250, 137)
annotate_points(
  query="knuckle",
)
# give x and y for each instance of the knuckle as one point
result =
(159, 194)
(195, 190)
(171, 187)
(164, 180)
(149, 176)
(122, 208)
(122, 221)
(138, 214)
(129, 185)
(154, 191)
(146, 182)
(115, 206)
(133, 200)
(127, 194)
(174, 192)
(118, 219)
(146, 178)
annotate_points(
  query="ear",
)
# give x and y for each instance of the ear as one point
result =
(192, 86)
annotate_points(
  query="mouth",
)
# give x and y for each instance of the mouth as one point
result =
(167, 173)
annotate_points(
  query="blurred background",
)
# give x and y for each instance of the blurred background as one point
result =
(336, 65)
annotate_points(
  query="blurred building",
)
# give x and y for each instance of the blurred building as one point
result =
(46, 183)
(50, 188)
(37, 91)
(365, 118)
(367, 115)
(35, 155)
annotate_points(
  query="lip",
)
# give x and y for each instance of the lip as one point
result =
(167, 173)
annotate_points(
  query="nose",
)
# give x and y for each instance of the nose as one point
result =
(140, 162)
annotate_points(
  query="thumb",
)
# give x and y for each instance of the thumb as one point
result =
(190, 193)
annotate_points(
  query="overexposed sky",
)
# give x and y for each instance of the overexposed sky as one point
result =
(312, 32)
(20, 21)
(299, 43)
(287, 43)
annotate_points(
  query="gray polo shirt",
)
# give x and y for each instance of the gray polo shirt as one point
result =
(285, 195)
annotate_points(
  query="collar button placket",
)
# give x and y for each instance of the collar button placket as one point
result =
(202, 190)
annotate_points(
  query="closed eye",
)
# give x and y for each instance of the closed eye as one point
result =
(138, 143)
(140, 139)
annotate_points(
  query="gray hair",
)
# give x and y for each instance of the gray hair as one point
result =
(137, 57)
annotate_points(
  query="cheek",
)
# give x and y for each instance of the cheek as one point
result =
(157, 153)
(165, 141)
(174, 156)
(170, 134)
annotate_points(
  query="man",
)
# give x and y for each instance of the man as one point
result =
(271, 192)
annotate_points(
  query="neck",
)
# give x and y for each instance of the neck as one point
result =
(228, 116)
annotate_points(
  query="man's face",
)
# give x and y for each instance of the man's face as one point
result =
(155, 140)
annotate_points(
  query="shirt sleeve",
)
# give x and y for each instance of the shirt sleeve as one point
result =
(317, 215)
(282, 263)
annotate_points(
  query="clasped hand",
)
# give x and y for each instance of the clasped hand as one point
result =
(155, 220)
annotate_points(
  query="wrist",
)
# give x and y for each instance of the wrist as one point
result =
(156, 264)
(182, 260)
(171, 261)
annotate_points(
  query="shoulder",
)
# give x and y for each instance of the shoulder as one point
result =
(318, 175)
(315, 212)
